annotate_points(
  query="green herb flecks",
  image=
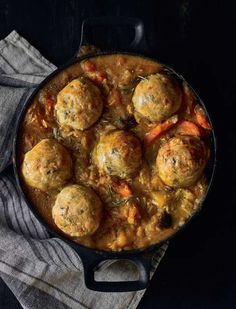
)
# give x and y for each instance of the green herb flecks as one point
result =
(122, 202)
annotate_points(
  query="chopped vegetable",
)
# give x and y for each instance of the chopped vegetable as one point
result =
(89, 66)
(122, 202)
(160, 129)
(122, 188)
(133, 214)
(160, 198)
(100, 77)
(50, 102)
(201, 117)
(188, 128)
(131, 210)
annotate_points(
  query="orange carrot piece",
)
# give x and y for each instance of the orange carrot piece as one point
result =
(100, 77)
(201, 117)
(122, 188)
(130, 212)
(188, 128)
(160, 129)
(89, 66)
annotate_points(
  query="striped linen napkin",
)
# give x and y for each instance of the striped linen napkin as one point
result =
(41, 271)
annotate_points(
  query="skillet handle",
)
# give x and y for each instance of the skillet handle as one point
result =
(113, 26)
(92, 261)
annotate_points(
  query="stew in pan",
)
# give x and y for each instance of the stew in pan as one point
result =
(113, 151)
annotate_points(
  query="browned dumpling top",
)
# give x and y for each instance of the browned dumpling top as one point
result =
(181, 160)
(118, 153)
(47, 165)
(77, 210)
(79, 104)
(156, 98)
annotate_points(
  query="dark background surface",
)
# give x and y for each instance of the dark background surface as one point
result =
(197, 38)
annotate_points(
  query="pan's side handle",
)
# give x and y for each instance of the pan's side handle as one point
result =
(92, 261)
(137, 44)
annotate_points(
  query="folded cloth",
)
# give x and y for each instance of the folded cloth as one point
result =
(41, 271)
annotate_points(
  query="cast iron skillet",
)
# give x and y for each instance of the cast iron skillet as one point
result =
(91, 258)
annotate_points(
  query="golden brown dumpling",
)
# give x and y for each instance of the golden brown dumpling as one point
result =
(47, 165)
(181, 160)
(77, 211)
(156, 98)
(119, 153)
(79, 104)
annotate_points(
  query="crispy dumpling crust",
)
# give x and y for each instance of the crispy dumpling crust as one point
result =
(77, 211)
(156, 98)
(79, 104)
(47, 165)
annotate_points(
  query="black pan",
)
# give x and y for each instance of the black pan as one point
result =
(91, 258)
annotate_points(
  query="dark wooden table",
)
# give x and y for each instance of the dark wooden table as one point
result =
(198, 39)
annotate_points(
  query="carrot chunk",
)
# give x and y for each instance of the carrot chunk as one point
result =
(100, 77)
(160, 129)
(188, 128)
(89, 66)
(201, 117)
(122, 188)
